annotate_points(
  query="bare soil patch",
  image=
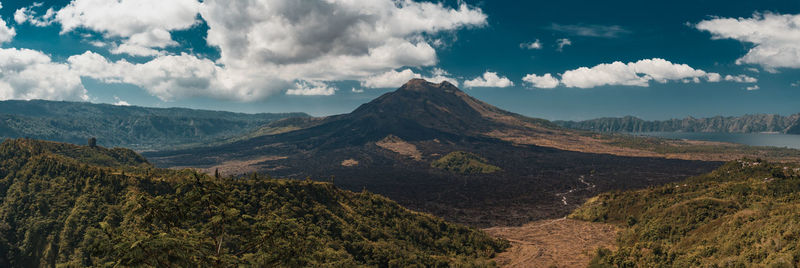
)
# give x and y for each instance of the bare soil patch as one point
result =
(397, 145)
(556, 242)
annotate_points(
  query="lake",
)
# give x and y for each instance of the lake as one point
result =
(754, 139)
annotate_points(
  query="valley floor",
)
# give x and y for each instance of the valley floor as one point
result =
(558, 242)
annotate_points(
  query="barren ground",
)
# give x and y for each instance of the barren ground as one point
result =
(553, 243)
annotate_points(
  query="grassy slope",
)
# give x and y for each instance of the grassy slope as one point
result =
(464, 163)
(742, 215)
(58, 210)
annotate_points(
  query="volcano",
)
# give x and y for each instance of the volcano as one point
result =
(399, 145)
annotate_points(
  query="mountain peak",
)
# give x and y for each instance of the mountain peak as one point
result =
(422, 85)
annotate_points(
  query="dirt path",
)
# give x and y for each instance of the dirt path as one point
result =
(589, 186)
(557, 242)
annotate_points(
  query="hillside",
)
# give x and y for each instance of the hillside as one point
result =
(388, 146)
(464, 163)
(134, 127)
(58, 209)
(743, 214)
(732, 124)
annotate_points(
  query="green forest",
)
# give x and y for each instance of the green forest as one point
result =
(744, 214)
(74, 206)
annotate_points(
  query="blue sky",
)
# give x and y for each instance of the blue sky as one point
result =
(653, 60)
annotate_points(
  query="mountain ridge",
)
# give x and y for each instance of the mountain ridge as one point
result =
(140, 128)
(726, 124)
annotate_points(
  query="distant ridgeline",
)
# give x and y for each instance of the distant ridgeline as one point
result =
(745, 214)
(741, 124)
(126, 126)
(78, 206)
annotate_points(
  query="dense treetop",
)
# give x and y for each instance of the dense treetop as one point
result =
(745, 214)
(70, 205)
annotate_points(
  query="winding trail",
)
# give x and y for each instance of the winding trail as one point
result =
(582, 179)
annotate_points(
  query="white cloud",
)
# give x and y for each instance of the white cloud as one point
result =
(795, 84)
(638, 73)
(489, 79)
(135, 50)
(544, 81)
(562, 43)
(29, 15)
(266, 46)
(776, 38)
(439, 75)
(531, 45)
(395, 79)
(29, 74)
(330, 40)
(753, 87)
(98, 43)
(120, 102)
(605, 31)
(141, 24)
(390, 79)
(740, 79)
(357, 90)
(6, 33)
(713, 77)
(179, 76)
(311, 88)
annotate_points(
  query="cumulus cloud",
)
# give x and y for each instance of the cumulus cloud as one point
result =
(142, 25)
(120, 102)
(740, 79)
(531, 45)
(390, 79)
(605, 31)
(489, 79)
(311, 88)
(544, 81)
(439, 75)
(638, 73)
(561, 43)
(29, 74)
(6, 33)
(753, 87)
(776, 38)
(330, 40)
(714, 77)
(266, 46)
(30, 15)
(178, 76)
(395, 79)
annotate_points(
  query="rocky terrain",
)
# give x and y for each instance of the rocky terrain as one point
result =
(387, 146)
